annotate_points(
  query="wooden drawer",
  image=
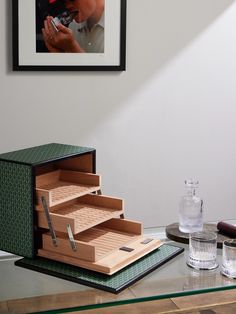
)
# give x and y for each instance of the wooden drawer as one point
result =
(106, 248)
(77, 226)
(82, 213)
(96, 242)
(63, 185)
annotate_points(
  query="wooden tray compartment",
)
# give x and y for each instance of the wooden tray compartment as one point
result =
(97, 242)
(82, 213)
(109, 263)
(63, 185)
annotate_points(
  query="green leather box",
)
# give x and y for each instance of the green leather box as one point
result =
(18, 170)
(19, 223)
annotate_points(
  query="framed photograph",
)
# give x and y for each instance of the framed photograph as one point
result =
(69, 35)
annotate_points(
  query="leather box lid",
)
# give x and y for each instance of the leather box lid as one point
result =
(44, 153)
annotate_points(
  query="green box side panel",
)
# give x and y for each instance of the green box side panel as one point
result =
(44, 153)
(16, 209)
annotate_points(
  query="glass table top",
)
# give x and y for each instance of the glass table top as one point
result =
(172, 279)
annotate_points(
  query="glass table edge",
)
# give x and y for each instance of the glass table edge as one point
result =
(135, 300)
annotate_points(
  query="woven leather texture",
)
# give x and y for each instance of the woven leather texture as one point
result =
(113, 283)
(44, 153)
(16, 213)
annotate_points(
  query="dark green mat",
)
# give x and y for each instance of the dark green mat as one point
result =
(114, 283)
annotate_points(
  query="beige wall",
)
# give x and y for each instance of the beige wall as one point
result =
(169, 116)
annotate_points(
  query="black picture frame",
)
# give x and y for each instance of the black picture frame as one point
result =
(119, 63)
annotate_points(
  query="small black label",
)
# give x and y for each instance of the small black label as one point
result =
(126, 249)
(146, 241)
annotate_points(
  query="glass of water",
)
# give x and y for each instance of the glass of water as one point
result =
(202, 250)
(229, 258)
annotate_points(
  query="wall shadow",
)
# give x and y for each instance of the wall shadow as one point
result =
(172, 26)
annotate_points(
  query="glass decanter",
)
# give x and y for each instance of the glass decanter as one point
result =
(191, 209)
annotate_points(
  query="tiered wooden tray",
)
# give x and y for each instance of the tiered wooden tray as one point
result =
(97, 242)
(82, 213)
(64, 185)
(111, 263)
(102, 241)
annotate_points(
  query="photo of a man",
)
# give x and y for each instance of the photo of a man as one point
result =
(70, 26)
